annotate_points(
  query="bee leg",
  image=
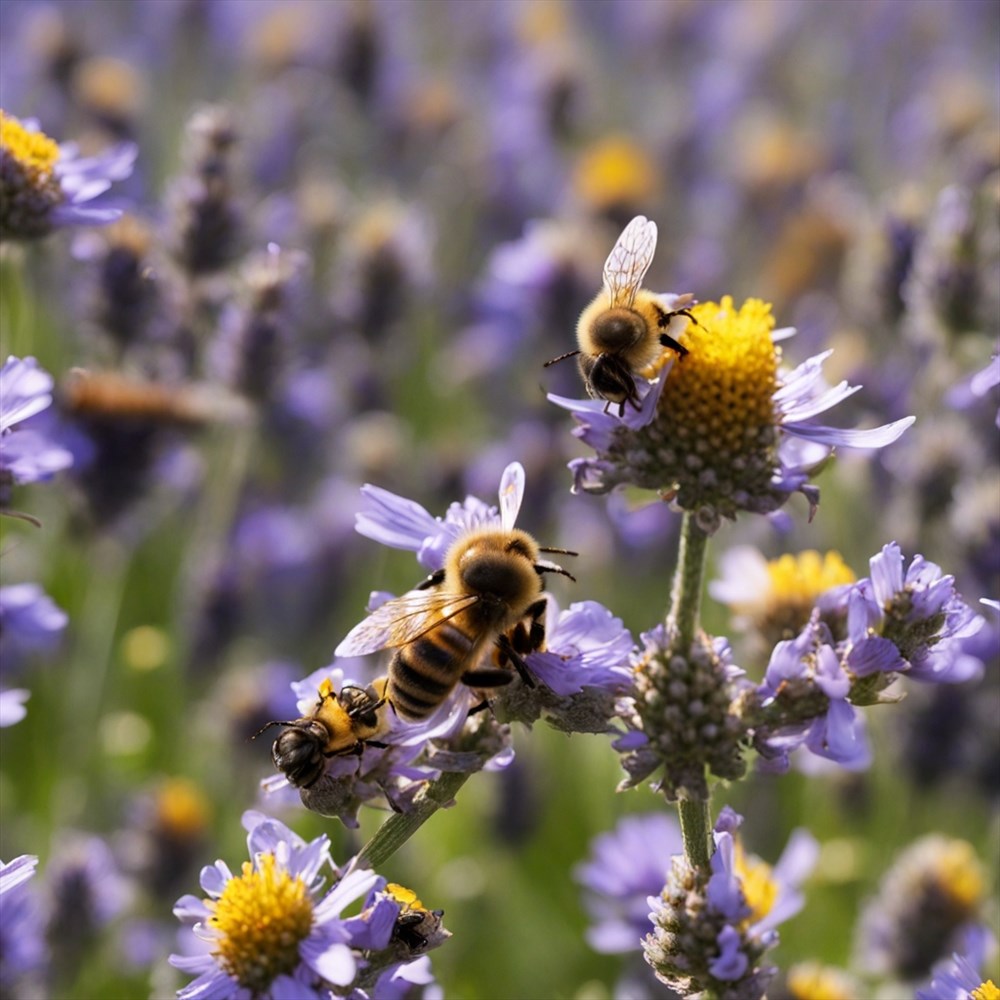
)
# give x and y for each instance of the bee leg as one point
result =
(481, 707)
(667, 341)
(507, 647)
(433, 580)
(488, 677)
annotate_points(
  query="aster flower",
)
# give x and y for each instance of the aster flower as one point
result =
(272, 930)
(13, 706)
(729, 430)
(626, 867)
(774, 598)
(926, 904)
(712, 932)
(919, 612)
(810, 980)
(45, 186)
(28, 451)
(805, 678)
(22, 948)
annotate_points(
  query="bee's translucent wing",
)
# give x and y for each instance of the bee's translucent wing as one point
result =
(629, 261)
(402, 620)
(511, 494)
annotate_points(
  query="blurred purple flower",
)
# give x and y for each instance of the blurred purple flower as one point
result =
(12, 706)
(626, 867)
(22, 946)
(28, 452)
(30, 623)
(959, 977)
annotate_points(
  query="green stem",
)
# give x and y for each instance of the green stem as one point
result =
(399, 827)
(696, 827)
(685, 604)
(685, 599)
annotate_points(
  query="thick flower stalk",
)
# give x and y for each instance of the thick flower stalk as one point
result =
(45, 186)
(724, 430)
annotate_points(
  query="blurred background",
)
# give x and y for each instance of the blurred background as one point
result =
(354, 234)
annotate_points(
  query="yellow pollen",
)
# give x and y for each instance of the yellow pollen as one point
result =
(759, 889)
(721, 393)
(407, 897)
(34, 150)
(959, 873)
(181, 809)
(613, 171)
(986, 991)
(261, 918)
(812, 981)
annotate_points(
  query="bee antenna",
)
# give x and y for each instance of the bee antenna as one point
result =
(561, 552)
(264, 729)
(562, 357)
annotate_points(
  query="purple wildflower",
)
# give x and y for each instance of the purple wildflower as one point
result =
(272, 930)
(626, 867)
(28, 451)
(959, 977)
(723, 430)
(31, 623)
(44, 186)
(22, 948)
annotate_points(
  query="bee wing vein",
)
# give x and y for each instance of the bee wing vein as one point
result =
(629, 261)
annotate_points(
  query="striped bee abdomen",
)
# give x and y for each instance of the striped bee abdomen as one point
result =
(423, 672)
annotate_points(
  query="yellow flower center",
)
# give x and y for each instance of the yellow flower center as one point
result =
(33, 150)
(807, 575)
(261, 918)
(986, 991)
(181, 809)
(613, 171)
(759, 889)
(721, 393)
(959, 873)
(811, 981)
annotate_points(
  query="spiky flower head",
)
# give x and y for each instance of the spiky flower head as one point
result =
(727, 430)
(680, 714)
(45, 186)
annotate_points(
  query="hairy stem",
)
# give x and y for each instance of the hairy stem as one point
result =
(696, 828)
(689, 578)
(398, 828)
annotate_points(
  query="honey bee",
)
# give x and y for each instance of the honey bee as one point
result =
(343, 722)
(625, 329)
(489, 594)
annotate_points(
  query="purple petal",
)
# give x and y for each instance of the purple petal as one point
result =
(874, 437)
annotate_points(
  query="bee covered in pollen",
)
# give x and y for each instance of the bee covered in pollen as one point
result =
(344, 722)
(417, 929)
(626, 329)
(487, 598)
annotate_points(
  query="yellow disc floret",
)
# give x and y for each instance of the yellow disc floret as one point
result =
(811, 981)
(33, 150)
(721, 393)
(986, 991)
(959, 873)
(181, 808)
(759, 888)
(807, 575)
(261, 918)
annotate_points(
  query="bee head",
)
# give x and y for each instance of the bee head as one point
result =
(298, 752)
